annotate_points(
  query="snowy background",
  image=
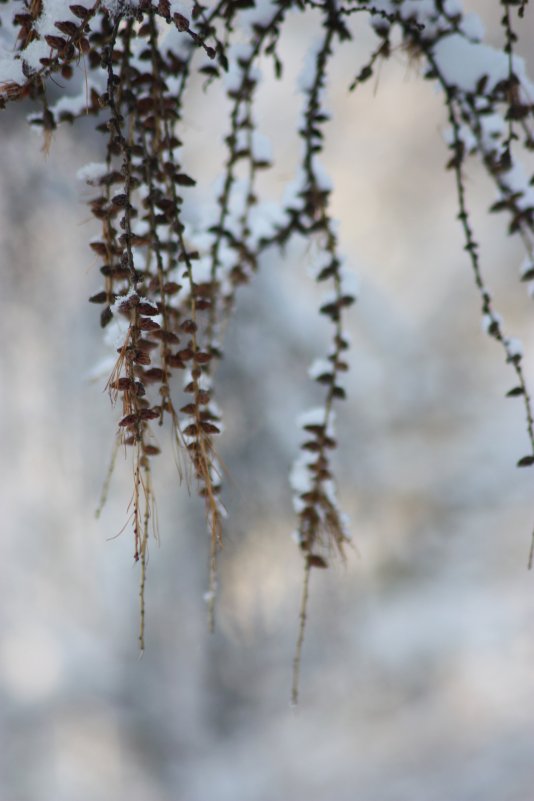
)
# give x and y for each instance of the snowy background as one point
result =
(417, 679)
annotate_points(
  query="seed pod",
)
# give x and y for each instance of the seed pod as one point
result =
(309, 497)
(144, 105)
(120, 200)
(311, 445)
(174, 360)
(68, 28)
(166, 336)
(185, 354)
(99, 248)
(314, 428)
(141, 357)
(203, 396)
(56, 42)
(188, 326)
(151, 450)
(164, 8)
(146, 324)
(331, 310)
(181, 22)
(150, 414)
(122, 384)
(106, 317)
(339, 392)
(80, 11)
(209, 428)
(147, 308)
(314, 560)
(184, 180)
(154, 374)
(128, 420)
(147, 344)
(100, 297)
(84, 46)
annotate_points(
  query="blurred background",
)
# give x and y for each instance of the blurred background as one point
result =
(418, 665)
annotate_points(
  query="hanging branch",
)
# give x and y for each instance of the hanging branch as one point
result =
(168, 289)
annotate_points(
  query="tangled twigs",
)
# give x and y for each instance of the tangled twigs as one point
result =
(170, 271)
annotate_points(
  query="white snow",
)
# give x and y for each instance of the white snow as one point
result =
(264, 218)
(307, 75)
(514, 347)
(463, 63)
(493, 126)
(517, 180)
(473, 27)
(92, 172)
(349, 282)
(261, 147)
(72, 104)
(465, 135)
(261, 15)
(35, 51)
(10, 69)
(313, 417)
(54, 11)
(300, 477)
(236, 53)
(319, 367)
(324, 182)
(179, 7)
(115, 332)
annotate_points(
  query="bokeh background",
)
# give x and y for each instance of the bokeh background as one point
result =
(418, 670)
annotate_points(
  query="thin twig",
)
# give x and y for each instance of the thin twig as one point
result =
(303, 616)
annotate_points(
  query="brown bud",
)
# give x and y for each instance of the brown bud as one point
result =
(56, 42)
(209, 428)
(146, 324)
(128, 420)
(151, 450)
(203, 396)
(188, 326)
(171, 288)
(185, 354)
(181, 22)
(314, 560)
(174, 360)
(122, 384)
(147, 308)
(80, 11)
(150, 414)
(67, 27)
(154, 374)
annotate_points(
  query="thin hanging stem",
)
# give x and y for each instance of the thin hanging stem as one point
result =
(303, 617)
